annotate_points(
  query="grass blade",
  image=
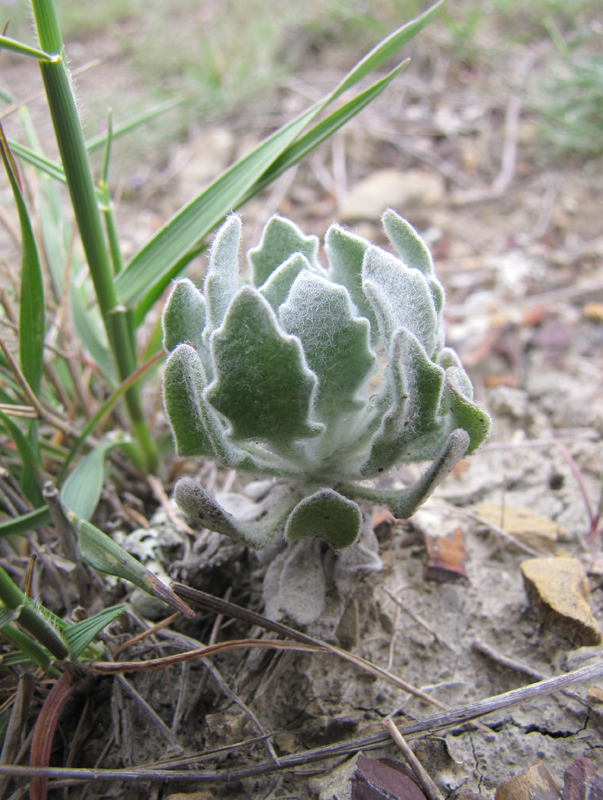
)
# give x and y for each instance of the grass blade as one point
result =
(38, 161)
(82, 489)
(100, 552)
(316, 135)
(31, 309)
(6, 43)
(32, 475)
(79, 636)
(26, 522)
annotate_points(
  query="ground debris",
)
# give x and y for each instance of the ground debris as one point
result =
(557, 589)
(535, 783)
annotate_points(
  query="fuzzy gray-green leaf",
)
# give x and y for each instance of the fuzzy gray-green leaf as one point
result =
(345, 252)
(263, 385)
(183, 318)
(281, 238)
(278, 285)
(415, 385)
(222, 279)
(400, 297)
(183, 385)
(328, 516)
(335, 341)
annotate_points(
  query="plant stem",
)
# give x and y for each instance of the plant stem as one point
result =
(30, 618)
(72, 148)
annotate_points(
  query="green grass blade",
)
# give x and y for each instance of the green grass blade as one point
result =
(102, 411)
(90, 335)
(94, 142)
(82, 489)
(100, 552)
(147, 270)
(30, 617)
(316, 135)
(79, 636)
(31, 308)
(38, 161)
(6, 43)
(386, 49)
(26, 522)
(32, 475)
(29, 650)
(146, 274)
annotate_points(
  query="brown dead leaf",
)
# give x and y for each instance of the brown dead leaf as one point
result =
(375, 780)
(581, 781)
(446, 557)
(535, 783)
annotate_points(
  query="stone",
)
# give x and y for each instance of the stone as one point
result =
(557, 590)
(392, 188)
(531, 529)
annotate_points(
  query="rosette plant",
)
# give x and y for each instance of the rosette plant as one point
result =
(324, 378)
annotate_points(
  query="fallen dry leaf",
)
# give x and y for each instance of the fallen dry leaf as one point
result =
(446, 557)
(375, 780)
(535, 783)
(581, 781)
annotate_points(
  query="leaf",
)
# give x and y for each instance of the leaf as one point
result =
(281, 238)
(222, 280)
(400, 298)
(278, 285)
(31, 308)
(413, 252)
(262, 385)
(26, 522)
(6, 43)
(320, 132)
(79, 636)
(205, 512)
(37, 160)
(183, 316)
(414, 384)
(31, 650)
(328, 516)
(32, 474)
(375, 780)
(100, 552)
(345, 252)
(335, 342)
(82, 489)
(183, 384)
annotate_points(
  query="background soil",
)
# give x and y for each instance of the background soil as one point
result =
(515, 228)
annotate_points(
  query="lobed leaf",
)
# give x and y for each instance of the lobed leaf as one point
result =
(183, 316)
(222, 280)
(278, 285)
(335, 342)
(281, 238)
(263, 386)
(346, 252)
(400, 298)
(414, 383)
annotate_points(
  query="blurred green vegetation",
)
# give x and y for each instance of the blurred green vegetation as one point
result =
(216, 56)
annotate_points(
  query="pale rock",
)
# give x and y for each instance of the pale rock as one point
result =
(531, 529)
(557, 589)
(392, 188)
